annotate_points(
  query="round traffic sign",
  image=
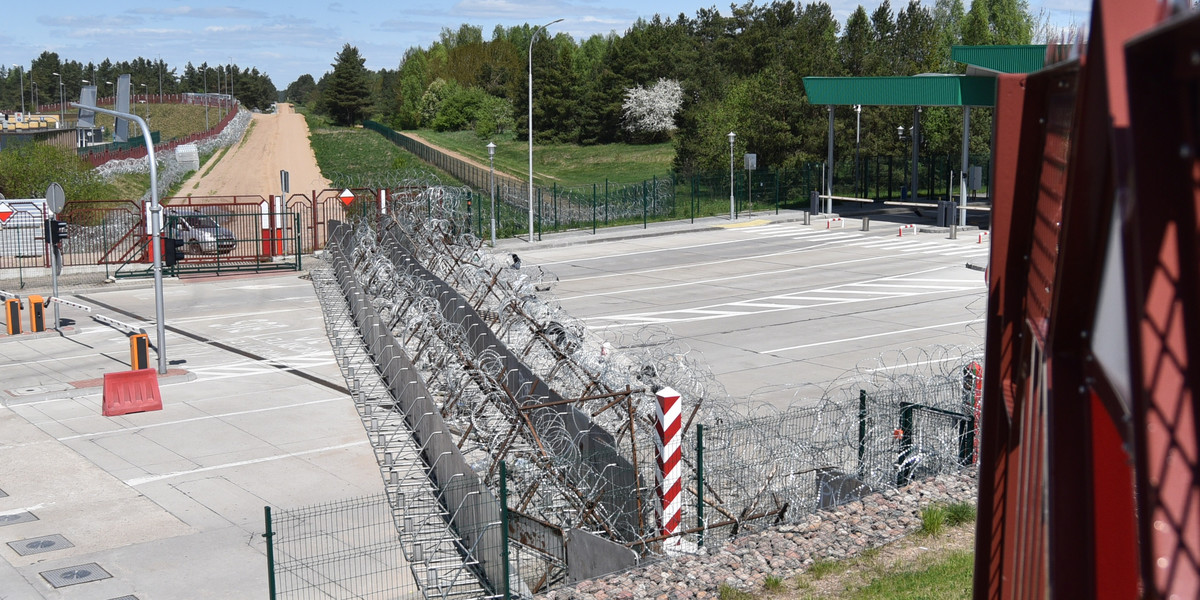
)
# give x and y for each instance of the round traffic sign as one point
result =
(55, 199)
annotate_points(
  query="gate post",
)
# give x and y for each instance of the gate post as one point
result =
(265, 223)
(318, 243)
(278, 216)
(270, 535)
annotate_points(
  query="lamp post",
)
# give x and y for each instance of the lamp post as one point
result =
(206, 127)
(33, 85)
(62, 113)
(492, 186)
(22, 89)
(530, 123)
(731, 136)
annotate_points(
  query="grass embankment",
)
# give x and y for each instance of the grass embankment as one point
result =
(564, 164)
(936, 563)
(170, 120)
(357, 157)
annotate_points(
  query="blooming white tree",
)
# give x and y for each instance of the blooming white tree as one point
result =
(652, 110)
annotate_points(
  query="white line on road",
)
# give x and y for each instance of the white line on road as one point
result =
(707, 281)
(152, 478)
(864, 337)
(138, 428)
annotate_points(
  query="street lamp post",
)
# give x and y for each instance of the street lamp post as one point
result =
(22, 89)
(206, 128)
(731, 136)
(531, 39)
(492, 186)
(62, 112)
(146, 101)
(33, 85)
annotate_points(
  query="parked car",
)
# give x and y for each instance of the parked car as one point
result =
(199, 232)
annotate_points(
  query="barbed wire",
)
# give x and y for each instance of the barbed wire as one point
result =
(901, 415)
(170, 171)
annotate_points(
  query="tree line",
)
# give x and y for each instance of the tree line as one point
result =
(150, 77)
(738, 72)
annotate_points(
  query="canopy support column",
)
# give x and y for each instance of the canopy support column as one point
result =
(829, 162)
(966, 163)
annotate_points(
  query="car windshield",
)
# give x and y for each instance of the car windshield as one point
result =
(200, 222)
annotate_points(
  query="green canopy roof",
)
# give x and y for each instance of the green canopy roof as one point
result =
(922, 90)
(976, 88)
(1002, 59)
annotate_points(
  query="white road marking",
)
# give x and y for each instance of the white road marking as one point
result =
(715, 280)
(883, 288)
(865, 337)
(138, 428)
(136, 481)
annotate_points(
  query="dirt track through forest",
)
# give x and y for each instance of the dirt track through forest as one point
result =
(251, 167)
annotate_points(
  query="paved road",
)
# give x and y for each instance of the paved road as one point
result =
(779, 308)
(170, 503)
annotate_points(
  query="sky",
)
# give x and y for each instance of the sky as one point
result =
(288, 39)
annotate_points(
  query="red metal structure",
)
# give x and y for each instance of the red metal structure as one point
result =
(1089, 481)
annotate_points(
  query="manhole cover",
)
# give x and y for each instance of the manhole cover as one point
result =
(14, 518)
(40, 544)
(73, 575)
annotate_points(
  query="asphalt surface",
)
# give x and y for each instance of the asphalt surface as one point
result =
(170, 502)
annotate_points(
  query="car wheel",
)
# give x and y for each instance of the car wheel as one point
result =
(193, 247)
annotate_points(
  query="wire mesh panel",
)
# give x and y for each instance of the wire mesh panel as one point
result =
(346, 549)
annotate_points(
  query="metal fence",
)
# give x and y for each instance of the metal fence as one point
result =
(345, 549)
(750, 473)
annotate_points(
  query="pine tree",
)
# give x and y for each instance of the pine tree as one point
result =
(348, 95)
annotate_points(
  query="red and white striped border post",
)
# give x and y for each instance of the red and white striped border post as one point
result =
(840, 221)
(911, 229)
(984, 235)
(667, 453)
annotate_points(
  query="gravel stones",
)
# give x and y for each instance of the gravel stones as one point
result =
(782, 551)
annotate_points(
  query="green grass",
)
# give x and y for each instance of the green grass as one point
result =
(728, 592)
(933, 520)
(565, 164)
(773, 583)
(960, 513)
(170, 120)
(824, 568)
(945, 578)
(354, 152)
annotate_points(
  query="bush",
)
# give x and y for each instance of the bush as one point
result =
(27, 170)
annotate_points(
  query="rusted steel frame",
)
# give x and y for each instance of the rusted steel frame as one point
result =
(502, 451)
(714, 501)
(633, 447)
(619, 395)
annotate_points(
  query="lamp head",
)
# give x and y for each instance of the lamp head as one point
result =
(491, 149)
(731, 136)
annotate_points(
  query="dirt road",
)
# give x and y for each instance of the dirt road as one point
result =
(272, 143)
